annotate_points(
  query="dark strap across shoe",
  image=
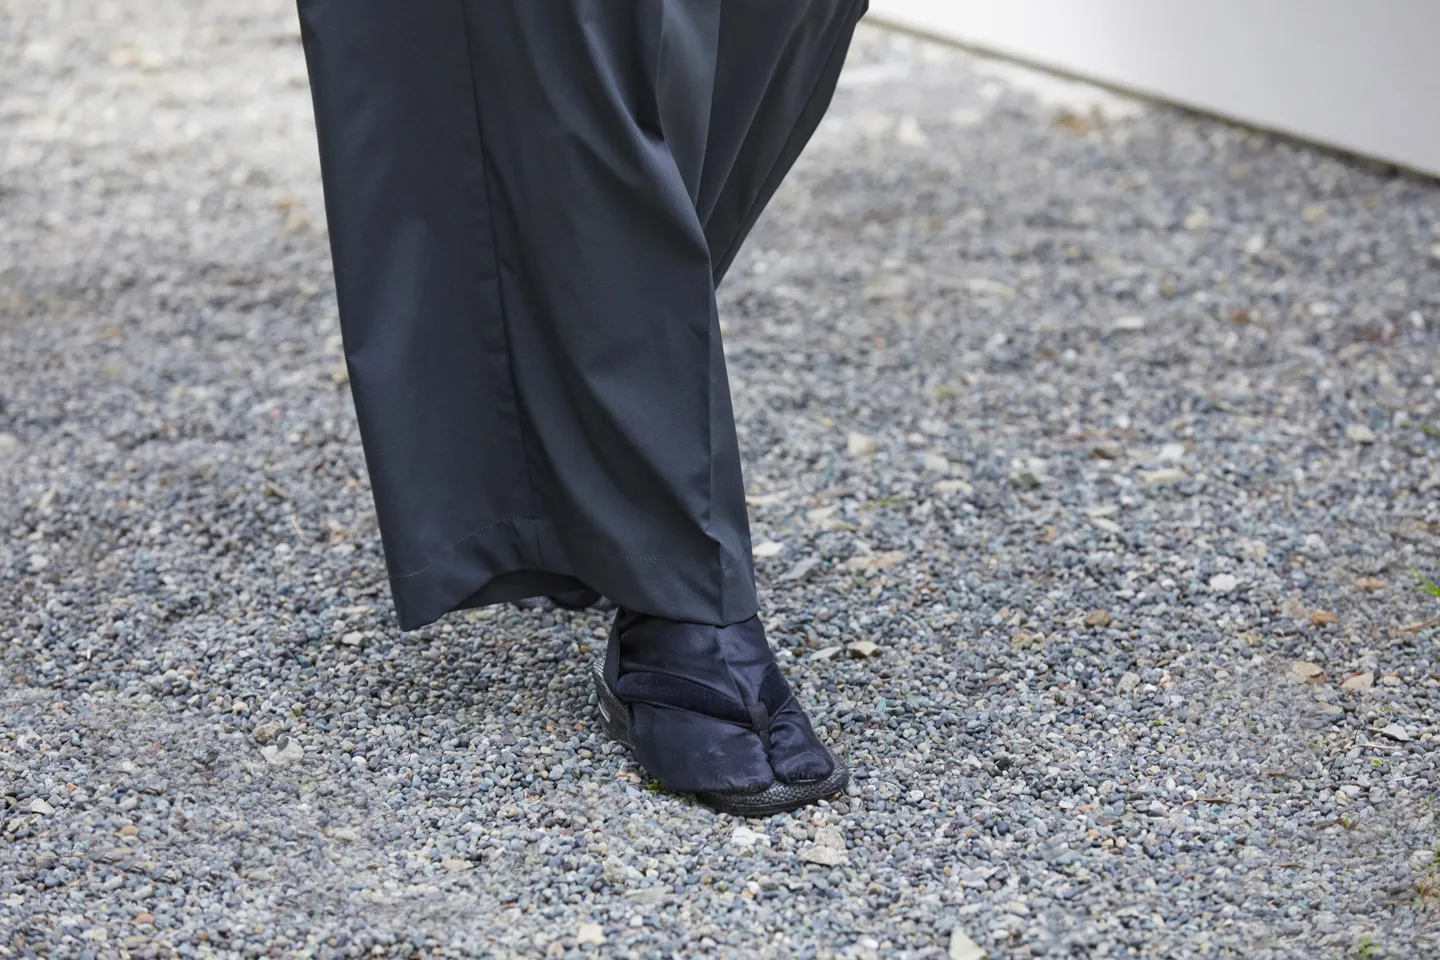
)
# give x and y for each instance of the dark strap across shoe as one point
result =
(706, 710)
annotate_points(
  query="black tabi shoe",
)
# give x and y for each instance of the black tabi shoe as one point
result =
(576, 599)
(705, 710)
(581, 599)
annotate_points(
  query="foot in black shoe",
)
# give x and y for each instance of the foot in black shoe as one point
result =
(581, 599)
(576, 599)
(705, 710)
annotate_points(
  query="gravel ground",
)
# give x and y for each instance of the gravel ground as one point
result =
(1115, 430)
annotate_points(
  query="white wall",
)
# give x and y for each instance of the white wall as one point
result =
(1362, 76)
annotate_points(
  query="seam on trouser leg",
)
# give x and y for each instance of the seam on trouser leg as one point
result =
(487, 189)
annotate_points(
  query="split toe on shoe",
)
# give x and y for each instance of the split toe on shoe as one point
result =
(715, 719)
(796, 753)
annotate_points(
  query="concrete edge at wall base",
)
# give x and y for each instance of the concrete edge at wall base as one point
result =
(1384, 164)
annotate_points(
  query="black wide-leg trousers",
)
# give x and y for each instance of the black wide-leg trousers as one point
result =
(530, 205)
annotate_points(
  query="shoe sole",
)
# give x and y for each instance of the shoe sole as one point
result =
(774, 799)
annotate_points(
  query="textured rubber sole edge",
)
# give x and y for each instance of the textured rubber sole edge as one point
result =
(614, 715)
(774, 799)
